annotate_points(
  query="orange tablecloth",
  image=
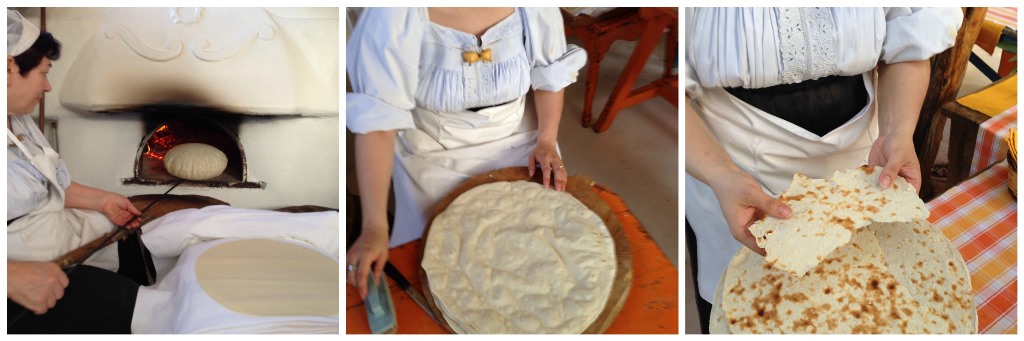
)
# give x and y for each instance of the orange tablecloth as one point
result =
(651, 307)
(980, 218)
(991, 144)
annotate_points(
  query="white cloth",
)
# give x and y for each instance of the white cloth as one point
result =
(21, 33)
(408, 75)
(177, 304)
(36, 180)
(762, 47)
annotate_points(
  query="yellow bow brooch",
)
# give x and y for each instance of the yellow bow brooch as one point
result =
(472, 56)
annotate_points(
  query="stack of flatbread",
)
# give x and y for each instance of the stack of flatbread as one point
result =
(853, 258)
(513, 257)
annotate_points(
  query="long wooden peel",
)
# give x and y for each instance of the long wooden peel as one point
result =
(80, 255)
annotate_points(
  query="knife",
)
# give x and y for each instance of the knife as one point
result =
(395, 275)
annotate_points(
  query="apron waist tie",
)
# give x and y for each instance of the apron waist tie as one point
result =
(819, 105)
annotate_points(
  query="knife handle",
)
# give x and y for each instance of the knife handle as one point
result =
(395, 275)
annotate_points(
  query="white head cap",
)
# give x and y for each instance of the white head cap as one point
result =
(21, 33)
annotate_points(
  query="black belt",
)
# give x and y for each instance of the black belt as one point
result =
(819, 105)
(475, 109)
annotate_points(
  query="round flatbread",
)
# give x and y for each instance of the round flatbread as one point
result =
(513, 257)
(891, 278)
(195, 161)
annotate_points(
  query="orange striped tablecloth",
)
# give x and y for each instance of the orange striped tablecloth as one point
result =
(1003, 16)
(991, 145)
(980, 218)
(652, 305)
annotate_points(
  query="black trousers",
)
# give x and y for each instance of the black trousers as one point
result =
(96, 301)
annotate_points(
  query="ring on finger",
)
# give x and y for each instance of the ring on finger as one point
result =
(351, 268)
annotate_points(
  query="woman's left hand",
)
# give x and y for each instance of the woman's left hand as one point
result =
(551, 165)
(119, 210)
(897, 158)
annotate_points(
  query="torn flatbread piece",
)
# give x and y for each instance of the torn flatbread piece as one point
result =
(826, 214)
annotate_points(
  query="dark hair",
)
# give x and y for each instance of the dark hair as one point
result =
(45, 46)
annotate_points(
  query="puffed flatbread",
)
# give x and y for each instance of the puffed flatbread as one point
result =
(826, 214)
(513, 257)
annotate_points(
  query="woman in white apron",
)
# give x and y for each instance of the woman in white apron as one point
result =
(440, 95)
(48, 215)
(775, 91)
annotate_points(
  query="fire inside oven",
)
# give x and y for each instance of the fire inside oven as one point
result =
(165, 134)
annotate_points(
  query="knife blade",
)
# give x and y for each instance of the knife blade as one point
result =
(395, 275)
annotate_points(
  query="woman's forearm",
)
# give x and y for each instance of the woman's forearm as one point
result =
(83, 197)
(901, 91)
(374, 163)
(549, 113)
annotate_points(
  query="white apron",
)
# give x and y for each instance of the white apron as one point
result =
(51, 230)
(447, 148)
(772, 150)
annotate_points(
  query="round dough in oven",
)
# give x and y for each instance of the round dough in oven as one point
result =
(195, 161)
(513, 257)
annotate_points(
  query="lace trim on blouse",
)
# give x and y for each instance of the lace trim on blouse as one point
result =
(808, 44)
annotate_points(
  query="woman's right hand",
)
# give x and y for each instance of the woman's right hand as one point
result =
(35, 285)
(370, 251)
(743, 202)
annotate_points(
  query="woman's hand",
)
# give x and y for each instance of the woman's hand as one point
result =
(119, 210)
(897, 157)
(551, 165)
(370, 251)
(743, 202)
(35, 285)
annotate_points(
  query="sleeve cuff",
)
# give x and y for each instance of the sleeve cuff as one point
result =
(921, 34)
(364, 114)
(561, 72)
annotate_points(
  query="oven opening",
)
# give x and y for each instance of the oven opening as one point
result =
(164, 132)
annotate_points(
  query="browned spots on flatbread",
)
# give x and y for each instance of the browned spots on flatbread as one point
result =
(827, 291)
(891, 286)
(936, 297)
(952, 267)
(872, 209)
(847, 223)
(867, 169)
(907, 312)
(788, 198)
(738, 289)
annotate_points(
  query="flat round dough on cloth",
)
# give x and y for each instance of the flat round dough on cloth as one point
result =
(263, 277)
(891, 278)
(195, 161)
(513, 257)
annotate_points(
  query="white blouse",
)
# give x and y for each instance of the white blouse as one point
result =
(762, 47)
(398, 59)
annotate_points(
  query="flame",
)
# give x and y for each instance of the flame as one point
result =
(162, 140)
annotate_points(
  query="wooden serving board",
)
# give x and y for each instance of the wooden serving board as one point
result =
(579, 187)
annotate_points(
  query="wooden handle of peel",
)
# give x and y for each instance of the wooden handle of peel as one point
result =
(78, 255)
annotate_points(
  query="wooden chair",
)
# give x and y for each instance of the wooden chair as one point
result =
(598, 34)
(963, 134)
(947, 74)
